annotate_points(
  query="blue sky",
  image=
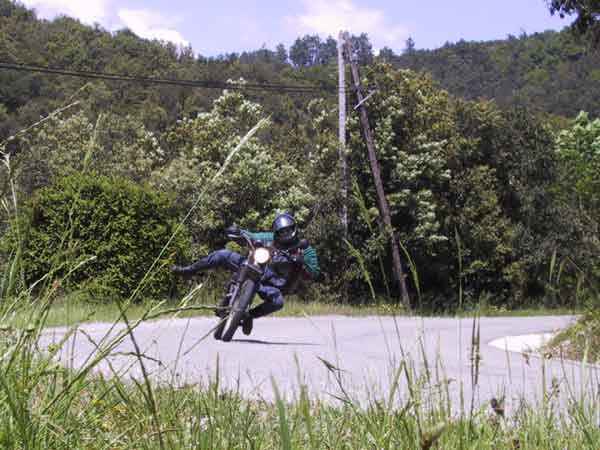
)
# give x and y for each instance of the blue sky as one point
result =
(217, 27)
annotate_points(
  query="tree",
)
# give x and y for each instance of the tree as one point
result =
(304, 52)
(387, 54)
(310, 51)
(578, 148)
(261, 183)
(328, 51)
(113, 146)
(517, 71)
(362, 49)
(587, 12)
(281, 54)
(453, 168)
(409, 49)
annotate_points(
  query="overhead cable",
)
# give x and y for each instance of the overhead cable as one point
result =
(208, 84)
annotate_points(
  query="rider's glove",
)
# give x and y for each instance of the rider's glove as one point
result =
(298, 258)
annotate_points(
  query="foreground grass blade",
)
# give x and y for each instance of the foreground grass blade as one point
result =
(284, 429)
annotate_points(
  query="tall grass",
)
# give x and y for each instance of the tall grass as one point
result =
(25, 369)
(111, 413)
(46, 406)
(366, 217)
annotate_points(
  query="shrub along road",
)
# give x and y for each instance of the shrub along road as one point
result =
(368, 351)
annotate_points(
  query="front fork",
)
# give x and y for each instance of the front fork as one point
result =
(247, 271)
(232, 287)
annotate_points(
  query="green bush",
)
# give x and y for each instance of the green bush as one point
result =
(121, 224)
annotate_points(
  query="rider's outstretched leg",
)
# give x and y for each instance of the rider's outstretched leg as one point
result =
(220, 258)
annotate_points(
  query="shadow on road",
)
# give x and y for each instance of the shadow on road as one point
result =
(257, 341)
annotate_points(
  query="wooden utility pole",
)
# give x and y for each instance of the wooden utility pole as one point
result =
(343, 155)
(342, 130)
(375, 170)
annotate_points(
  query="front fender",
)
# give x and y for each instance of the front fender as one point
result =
(251, 272)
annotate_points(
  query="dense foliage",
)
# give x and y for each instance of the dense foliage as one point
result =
(578, 148)
(467, 184)
(586, 13)
(121, 225)
(519, 70)
(549, 72)
(262, 181)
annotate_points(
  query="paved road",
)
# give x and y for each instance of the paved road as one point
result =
(368, 350)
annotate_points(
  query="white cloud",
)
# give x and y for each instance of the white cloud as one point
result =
(88, 11)
(329, 17)
(143, 22)
(150, 25)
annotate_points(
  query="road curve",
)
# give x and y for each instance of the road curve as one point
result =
(368, 351)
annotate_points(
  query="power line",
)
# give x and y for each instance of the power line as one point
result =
(207, 84)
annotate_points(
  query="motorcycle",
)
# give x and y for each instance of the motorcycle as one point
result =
(241, 289)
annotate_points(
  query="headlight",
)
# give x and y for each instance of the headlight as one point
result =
(261, 255)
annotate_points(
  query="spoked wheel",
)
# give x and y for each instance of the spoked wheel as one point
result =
(238, 310)
(223, 313)
(219, 330)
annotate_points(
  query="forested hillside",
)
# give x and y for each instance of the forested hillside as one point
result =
(550, 72)
(487, 200)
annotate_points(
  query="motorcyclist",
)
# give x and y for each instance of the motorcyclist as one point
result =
(281, 276)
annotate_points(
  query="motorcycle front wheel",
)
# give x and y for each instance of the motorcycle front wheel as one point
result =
(238, 309)
(225, 302)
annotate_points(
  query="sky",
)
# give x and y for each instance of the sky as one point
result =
(218, 27)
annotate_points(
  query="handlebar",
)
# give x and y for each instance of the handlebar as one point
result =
(236, 237)
(302, 244)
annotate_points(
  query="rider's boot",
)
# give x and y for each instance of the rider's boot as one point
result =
(186, 272)
(193, 269)
(247, 325)
(180, 270)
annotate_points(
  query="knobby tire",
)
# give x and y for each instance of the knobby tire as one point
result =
(225, 302)
(238, 309)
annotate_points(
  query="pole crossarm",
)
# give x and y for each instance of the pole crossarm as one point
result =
(365, 99)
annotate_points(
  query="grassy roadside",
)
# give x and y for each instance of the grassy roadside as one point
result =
(581, 341)
(70, 311)
(65, 313)
(46, 406)
(110, 415)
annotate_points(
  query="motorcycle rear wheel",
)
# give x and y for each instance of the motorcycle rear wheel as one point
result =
(238, 309)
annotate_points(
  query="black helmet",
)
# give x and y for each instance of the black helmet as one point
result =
(284, 229)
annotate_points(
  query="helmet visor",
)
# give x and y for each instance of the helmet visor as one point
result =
(285, 234)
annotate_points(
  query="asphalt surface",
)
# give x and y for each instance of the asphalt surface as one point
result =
(368, 351)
